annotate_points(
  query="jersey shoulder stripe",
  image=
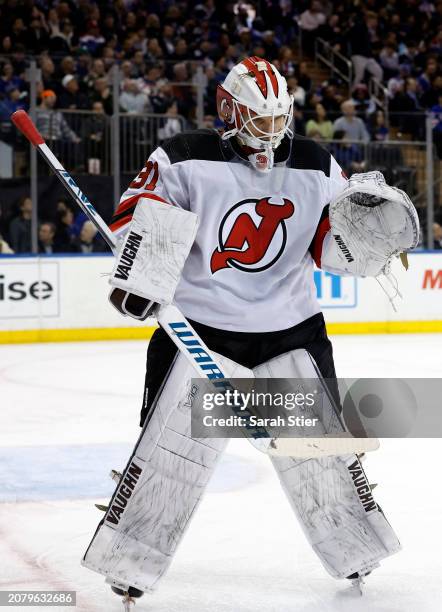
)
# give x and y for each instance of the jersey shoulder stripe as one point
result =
(307, 154)
(126, 209)
(206, 144)
(202, 144)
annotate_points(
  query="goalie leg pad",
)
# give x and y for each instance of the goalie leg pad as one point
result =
(160, 488)
(331, 496)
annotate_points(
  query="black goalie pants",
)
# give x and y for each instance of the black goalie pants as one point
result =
(247, 349)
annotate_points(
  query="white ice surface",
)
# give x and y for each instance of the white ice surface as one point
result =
(69, 413)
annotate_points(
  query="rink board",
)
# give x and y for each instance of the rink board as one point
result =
(63, 298)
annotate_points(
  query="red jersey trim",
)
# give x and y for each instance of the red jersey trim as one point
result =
(321, 233)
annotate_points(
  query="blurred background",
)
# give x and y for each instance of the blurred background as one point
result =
(106, 82)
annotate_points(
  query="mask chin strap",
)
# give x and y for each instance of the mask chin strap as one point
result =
(262, 160)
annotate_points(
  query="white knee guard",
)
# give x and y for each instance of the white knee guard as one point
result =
(160, 487)
(331, 496)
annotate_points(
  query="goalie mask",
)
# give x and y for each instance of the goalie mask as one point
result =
(256, 107)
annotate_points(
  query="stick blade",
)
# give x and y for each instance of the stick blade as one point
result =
(24, 123)
(325, 446)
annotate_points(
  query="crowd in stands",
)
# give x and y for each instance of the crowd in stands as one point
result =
(67, 231)
(159, 44)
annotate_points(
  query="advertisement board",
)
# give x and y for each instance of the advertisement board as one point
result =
(57, 298)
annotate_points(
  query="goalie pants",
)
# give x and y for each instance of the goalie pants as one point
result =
(247, 349)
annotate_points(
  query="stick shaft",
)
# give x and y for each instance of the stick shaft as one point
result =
(169, 317)
(25, 124)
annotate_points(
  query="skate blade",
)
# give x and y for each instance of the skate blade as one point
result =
(101, 507)
(325, 446)
(128, 603)
(358, 583)
(115, 475)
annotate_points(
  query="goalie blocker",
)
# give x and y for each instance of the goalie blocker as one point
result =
(151, 257)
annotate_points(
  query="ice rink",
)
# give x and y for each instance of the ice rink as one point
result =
(69, 413)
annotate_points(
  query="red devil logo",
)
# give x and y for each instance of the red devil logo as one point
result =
(248, 244)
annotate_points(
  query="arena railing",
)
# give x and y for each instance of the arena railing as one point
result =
(335, 61)
(409, 164)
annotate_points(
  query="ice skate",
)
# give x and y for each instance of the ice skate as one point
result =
(128, 593)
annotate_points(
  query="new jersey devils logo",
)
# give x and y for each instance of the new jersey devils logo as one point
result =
(252, 240)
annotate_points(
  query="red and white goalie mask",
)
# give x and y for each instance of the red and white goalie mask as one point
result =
(256, 107)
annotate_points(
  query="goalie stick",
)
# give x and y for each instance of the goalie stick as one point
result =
(185, 337)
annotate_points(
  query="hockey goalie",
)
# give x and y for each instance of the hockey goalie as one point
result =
(229, 227)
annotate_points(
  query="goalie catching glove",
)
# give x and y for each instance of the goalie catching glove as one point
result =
(151, 258)
(370, 223)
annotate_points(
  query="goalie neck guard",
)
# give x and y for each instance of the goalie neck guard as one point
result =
(253, 90)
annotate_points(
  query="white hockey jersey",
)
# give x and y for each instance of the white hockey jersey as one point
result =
(251, 266)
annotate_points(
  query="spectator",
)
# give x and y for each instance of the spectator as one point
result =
(95, 133)
(364, 104)
(13, 102)
(18, 33)
(64, 230)
(378, 128)
(309, 21)
(304, 79)
(167, 40)
(437, 236)
(181, 52)
(37, 37)
(332, 32)
(331, 99)
(132, 100)
(126, 72)
(20, 227)
(102, 93)
(62, 38)
(47, 68)
(427, 76)
(349, 155)
(397, 84)
(92, 40)
(319, 128)
(286, 61)
(389, 58)
(53, 23)
(71, 97)
(183, 93)
(154, 50)
(431, 97)
(353, 127)
(138, 64)
(46, 234)
(9, 79)
(5, 249)
(270, 44)
(296, 91)
(67, 67)
(172, 124)
(162, 99)
(51, 124)
(360, 38)
(87, 240)
(408, 110)
(437, 129)
(97, 71)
